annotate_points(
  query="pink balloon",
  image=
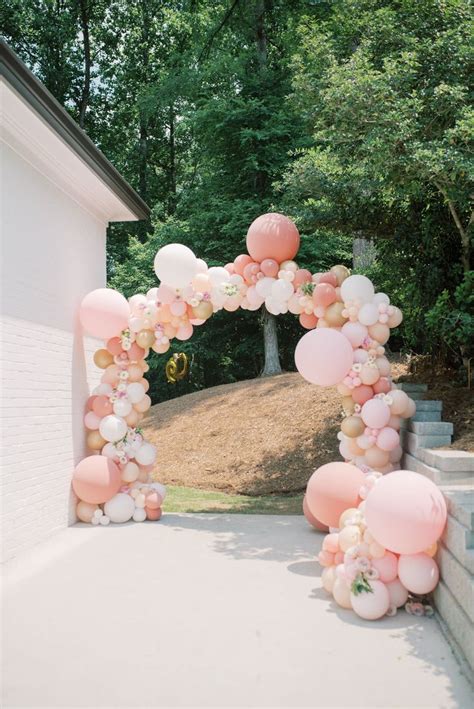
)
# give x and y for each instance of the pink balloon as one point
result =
(178, 308)
(184, 332)
(371, 606)
(91, 421)
(104, 313)
(135, 353)
(419, 573)
(165, 294)
(240, 263)
(375, 413)
(302, 276)
(308, 321)
(387, 566)
(312, 519)
(355, 333)
(362, 393)
(333, 488)
(405, 512)
(388, 439)
(96, 479)
(114, 346)
(250, 272)
(323, 356)
(154, 500)
(153, 514)
(269, 267)
(324, 294)
(328, 277)
(382, 386)
(273, 236)
(230, 268)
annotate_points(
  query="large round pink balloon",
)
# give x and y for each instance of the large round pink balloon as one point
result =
(104, 313)
(332, 489)
(405, 512)
(96, 479)
(419, 573)
(273, 236)
(323, 356)
(312, 519)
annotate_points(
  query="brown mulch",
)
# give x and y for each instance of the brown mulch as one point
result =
(254, 437)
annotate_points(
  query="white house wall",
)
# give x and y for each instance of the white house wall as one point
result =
(53, 253)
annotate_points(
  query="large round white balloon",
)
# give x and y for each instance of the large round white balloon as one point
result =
(175, 265)
(122, 407)
(357, 288)
(120, 508)
(146, 454)
(113, 428)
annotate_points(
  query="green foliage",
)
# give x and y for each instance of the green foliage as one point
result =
(450, 322)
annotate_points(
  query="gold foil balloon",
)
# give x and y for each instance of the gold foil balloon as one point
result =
(145, 338)
(353, 426)
(103, 358)
(333, 315)
(176, 367)
(341, 273)
(203, 311)
(95, 441)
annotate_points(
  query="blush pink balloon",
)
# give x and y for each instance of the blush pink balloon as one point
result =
(387, 566)
(184, 332)
(250, 272)
(102, 406)
(96, 479)
(154, 500)
(324, 294)
(269, 267)
(332, 489)
(273, 236)
(165, 294)
(388, 439)
(240, 262)
(323, 356)
(308, 321)
(114, 345)
(328, 277)
(302, 276)
(153, 514)
(104, 313)
(375, 413)
(178, 308)
(362, 393)
(355, 333)
(382, 386)
(135, 353)
(405, 512)
(312, 519)
(91, 421)
(419, 573)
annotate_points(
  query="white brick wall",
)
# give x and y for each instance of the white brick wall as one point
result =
(53, 253)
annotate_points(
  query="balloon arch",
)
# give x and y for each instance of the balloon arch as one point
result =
(382, 529)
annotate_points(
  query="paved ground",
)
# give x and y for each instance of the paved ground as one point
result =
(206, 610)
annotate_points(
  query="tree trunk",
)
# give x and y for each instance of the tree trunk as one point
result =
(87, 62)
(270, 342)
(463, 231)
(363, 253)
(172, 162)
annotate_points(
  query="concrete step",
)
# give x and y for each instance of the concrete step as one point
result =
(456, 620)
(431, 428)
(410, 387)
(458, 579)
(412, 442)
(460, 504)
(429, 405)
(459, 540)
(426, 416)
(449, 460)
(439, 477)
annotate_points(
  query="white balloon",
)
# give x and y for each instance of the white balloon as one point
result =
(282, 290)
(139, 515)
(368, 314)
(294, 305)
(122, 407)
(104, 520)
(357, 288)
(120, 508)
(272, 305)
(135, 392)
(218, 275)
(381, 299)
(201, 266)
(264, 286)
(175, 265)
(110, 451)
(146, 454)
(103, 389)
(113, 428)
(236, 280)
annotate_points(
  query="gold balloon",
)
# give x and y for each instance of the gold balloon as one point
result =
(353, 426)
(103, 358)
(348, 405)
(341, 273)
(95, 441)
(379, 332)
(334, 316)
(203, 311)
(176, 367)
(376, 458)
(145, 338)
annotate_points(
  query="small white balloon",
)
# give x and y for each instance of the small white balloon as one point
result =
(120, 508)
(113, 428)
(282, 290)
(122, 407)
(368, 314)
(140, 500)
(218, 275)
(381, 299)
(103, 390)
(104, 520)
(110, 451)
(264, 286)
(146, 454)
(139, 515)
(135, 392)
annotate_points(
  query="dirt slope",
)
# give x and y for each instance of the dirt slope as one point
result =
(254, 437)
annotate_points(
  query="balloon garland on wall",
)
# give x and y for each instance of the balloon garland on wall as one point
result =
(383, 530)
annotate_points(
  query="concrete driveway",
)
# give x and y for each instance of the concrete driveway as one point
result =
(206, 610)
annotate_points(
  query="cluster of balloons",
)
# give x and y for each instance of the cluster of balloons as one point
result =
(383, 536)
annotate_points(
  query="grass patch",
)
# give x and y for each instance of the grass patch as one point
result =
(187, 499)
